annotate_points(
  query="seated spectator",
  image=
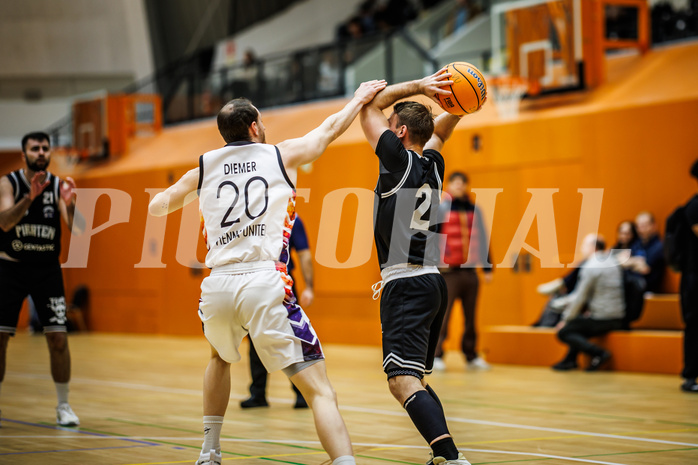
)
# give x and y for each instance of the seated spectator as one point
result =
(373, 16)
(626, 235)
(560, 289)
(462, 12)
(597, 307)
(367, 15)
(351, 30)
(647, 253)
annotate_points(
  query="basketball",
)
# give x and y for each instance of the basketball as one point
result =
(469, 89)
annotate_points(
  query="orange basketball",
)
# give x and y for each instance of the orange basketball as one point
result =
(469, 89)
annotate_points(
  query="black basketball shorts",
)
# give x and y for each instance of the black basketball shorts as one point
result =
(43, 282)
(412, 312)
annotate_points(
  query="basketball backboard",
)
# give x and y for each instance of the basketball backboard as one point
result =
(559, 45)
(539, 41)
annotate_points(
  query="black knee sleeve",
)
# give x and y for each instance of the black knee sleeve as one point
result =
(434, 396)
(427, 415)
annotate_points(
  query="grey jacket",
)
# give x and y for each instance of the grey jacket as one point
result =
(600, 288)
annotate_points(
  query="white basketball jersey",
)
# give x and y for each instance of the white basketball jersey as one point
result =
(247, 204)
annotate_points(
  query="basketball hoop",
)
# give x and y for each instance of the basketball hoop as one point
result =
(507, 92)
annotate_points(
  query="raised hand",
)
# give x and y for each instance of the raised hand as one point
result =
(67, 190)
(367, 90)
(37, 187)
(434, 84)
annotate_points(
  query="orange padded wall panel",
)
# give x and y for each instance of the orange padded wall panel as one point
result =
(631, 137)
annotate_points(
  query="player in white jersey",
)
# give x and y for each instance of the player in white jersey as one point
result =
(247, 200)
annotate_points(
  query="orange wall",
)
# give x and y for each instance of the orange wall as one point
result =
(636, 146)
(10, 160)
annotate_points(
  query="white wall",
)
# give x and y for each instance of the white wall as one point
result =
(60, 49)
(18, 118)
(71, 37)
(308, 23)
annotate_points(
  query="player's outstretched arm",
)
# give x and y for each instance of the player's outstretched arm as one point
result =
(444, 124)
(297, 152)
(176, 196)
(373, 121)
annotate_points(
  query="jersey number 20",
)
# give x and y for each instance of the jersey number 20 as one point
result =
(225, 222)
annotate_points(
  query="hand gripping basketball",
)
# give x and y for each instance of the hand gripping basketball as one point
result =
(468, 89)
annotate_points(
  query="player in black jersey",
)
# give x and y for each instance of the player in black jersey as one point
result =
(406, 225)
(32, 203)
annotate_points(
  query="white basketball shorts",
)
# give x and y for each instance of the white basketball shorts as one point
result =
(256, 299)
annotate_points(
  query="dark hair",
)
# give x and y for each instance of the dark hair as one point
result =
(36, 135)
(417, 118)
(633, 231)
(235, 119)
(458, 174)
(600, 244)
(694, 170)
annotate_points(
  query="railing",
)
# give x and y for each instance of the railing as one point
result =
(190, 90)
(453, 20)
(480, 59)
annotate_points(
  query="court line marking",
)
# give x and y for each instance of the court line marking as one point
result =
(559, 412)
(638, 452)
(349, 408)
(169, 441)
(373, 446)
(96, 434)
(89, 434)
(153, 425)
(532, 454)
(74, 450)
(526, 427)
(147, 387)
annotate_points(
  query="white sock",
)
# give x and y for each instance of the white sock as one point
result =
(212, 433)
(344, 460)
(62, 392)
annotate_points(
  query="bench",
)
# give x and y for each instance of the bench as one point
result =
(661, 311)
(654, 345)
(637, 350)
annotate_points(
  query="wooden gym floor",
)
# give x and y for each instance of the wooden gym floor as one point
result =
(139, 402)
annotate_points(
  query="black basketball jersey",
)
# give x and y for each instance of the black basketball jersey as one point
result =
(405, 215)
(37, 236)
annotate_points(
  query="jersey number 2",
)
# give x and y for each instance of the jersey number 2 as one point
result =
(225, 222)
(423, 204)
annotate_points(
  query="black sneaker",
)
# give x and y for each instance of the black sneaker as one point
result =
(565, 365)
(254, 402)
(689, 385)
(598, 360)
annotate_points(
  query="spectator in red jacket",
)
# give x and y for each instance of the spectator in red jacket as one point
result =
(465, 248)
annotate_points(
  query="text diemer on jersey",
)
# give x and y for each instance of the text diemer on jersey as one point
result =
(240, 168)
